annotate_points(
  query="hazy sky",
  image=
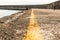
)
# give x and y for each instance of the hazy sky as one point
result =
(24, 2)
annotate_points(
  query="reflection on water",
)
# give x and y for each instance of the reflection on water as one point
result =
(7, 12)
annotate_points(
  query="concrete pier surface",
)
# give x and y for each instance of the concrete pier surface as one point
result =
(33, 24)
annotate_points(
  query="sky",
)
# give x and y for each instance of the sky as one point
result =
(25, 2)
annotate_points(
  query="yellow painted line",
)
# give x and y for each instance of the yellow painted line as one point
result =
(33, 30)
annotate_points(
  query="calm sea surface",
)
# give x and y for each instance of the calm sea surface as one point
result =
(7, 12)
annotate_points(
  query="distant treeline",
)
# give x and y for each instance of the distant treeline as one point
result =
(54, 5)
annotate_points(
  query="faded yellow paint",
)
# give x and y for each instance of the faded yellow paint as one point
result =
(33, 31)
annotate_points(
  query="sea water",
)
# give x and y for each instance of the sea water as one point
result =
(7, 12)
